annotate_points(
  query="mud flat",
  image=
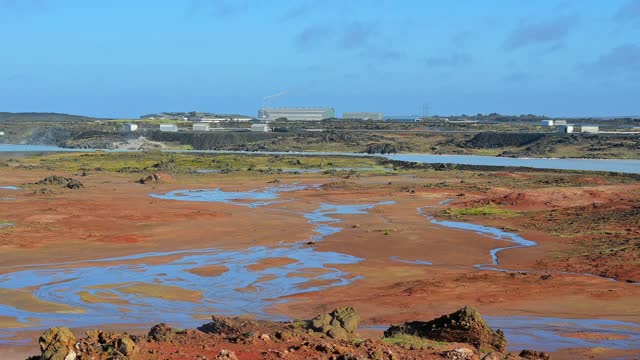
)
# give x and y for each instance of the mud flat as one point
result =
(124, 255)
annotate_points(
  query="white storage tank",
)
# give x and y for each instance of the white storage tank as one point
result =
(546, 123)
(169, 127)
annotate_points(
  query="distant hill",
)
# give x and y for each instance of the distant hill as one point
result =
(43, 117)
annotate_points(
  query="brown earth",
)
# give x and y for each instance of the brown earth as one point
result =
(114, 216)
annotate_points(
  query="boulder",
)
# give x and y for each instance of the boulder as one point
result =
(161, 332)
(340, 324)
(226, 355)
(157, 178)
(535, 355)
(98, 344)
(125, 345)
(459, 354)
(464, 326)
(58, 343)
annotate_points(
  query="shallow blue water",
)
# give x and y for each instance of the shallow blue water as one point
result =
(227, 293)
(253, 198)
(415, 262)
(9, 187)
(544, 333)
(237, 291)
(624, 166)
(487, 231)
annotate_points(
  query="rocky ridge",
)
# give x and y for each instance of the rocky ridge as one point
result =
(327, 336)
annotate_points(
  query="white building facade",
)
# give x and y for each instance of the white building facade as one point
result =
(169, 127)
(296, 114)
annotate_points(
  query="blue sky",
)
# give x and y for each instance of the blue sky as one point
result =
(123, 58)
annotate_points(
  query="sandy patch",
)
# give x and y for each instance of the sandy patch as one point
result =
(209, 270)
(25, 300)
(271, 263)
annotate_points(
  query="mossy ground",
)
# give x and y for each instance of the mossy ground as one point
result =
(487, 210)
(183, 162)
(414, 342)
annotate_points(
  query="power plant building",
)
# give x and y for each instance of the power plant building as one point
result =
(376, 116)
(590, 129)
(296, 114)
(129, 127)
(168, 127)
(259, 127)
(201, 126)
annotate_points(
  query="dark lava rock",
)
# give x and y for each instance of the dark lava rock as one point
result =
(465, 326)
(491, 140)
(535, 355)
(384, 148)
(240, 329)
(69, 183)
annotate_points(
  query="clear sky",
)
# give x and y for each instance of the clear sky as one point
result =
(124, 58)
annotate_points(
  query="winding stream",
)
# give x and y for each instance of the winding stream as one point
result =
(96, 292)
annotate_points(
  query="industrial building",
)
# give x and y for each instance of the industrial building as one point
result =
(164, 116)
(168, 127)
(260, 127)
(217, 118)
(559, 122)
(375, 116)
(204, 126)
(129, 127)
(593, 129)
(567, 129)
(296, 114)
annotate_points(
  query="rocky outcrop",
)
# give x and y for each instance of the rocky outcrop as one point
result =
(240, 328)
(492, 140)
(69, 183)
(464, 326)
(270, 340)
(157, 178)
(58, 343)
(161, 332)
(384, 148)
(340, 324)
(113, 345)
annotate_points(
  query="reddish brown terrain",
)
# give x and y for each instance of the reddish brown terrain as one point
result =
(582, 225)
